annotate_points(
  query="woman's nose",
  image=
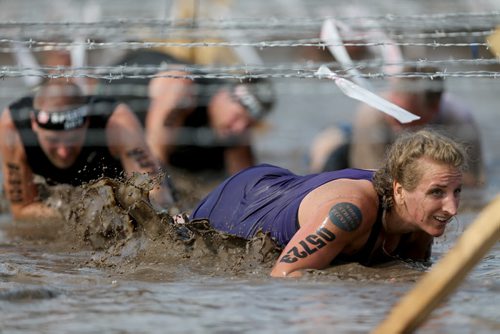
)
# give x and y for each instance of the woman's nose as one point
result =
(450, 205)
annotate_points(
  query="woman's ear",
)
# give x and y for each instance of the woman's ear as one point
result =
(398, 192)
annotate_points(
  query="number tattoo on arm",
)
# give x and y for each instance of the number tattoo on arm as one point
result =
(345, 216)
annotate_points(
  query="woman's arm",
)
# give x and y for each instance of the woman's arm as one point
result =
(334, 227)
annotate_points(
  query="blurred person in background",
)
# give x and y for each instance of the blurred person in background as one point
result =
(193, 125)
(205, 124)
(69, 138)
(363, 144)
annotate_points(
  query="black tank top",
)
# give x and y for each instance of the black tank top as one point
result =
(197, 149)
(366, 256)
(94, 161)
(370, 254)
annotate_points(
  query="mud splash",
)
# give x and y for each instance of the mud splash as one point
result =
(114, 221)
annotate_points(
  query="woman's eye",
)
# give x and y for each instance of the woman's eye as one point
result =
(436, 192)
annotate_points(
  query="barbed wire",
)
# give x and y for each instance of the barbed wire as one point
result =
(306, 73)
(38, 46)
(201, 34)
(351, 36)
(356, 38)
(144, 28)
(263, 23)
(131, 71)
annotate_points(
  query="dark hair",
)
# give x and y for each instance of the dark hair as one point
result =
(423, 80)
(55, 93)
(401, 161)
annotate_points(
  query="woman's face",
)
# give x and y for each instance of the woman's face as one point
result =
(434, 202)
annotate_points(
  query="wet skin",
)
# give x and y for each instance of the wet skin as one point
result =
(434, 201)
(428, 208)
(61, 147)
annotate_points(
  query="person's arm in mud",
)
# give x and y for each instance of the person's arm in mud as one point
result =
(18, 179)
(336, 227)
(171, 100)
(126, 137)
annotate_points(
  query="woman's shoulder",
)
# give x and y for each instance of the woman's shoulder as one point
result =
(357, 192)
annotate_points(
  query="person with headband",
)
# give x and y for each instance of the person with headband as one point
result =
(69, 138)
(203, 124)
(350, 215)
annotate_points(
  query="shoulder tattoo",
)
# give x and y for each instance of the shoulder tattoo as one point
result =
(346, 216)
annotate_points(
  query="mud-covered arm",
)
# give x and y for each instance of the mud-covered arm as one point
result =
(18, 179)
(126, 139)
(316, 244)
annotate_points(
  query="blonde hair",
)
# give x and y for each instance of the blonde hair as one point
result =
(401, 161)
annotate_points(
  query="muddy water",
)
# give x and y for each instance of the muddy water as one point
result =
(64, 278)
(54, 284)
(60, 278)
(53, 279)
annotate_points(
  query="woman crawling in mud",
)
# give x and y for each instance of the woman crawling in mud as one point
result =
(350, 215)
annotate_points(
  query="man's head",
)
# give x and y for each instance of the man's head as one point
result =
(59, 120)
(237, 106)
(419, 94)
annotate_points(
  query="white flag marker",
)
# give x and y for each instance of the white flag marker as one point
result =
(28, 62)
(330, 35)
(364, 95)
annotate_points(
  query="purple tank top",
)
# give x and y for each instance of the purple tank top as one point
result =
(266, 198)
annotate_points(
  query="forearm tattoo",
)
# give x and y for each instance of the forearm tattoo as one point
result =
(345, 216)
(14, 179)
(142, 158)
(310, 245)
